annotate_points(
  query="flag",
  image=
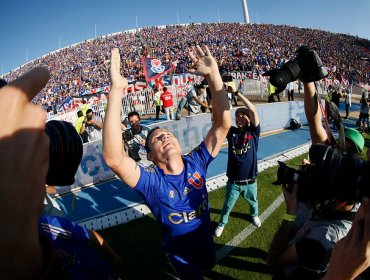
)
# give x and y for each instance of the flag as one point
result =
(245, 51)
(154, 68)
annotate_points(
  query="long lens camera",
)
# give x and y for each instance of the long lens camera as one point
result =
(331, 175)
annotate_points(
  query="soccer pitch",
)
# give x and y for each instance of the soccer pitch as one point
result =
(241, 250)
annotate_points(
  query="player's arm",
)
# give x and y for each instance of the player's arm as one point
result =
(113, 151)
(206, 65)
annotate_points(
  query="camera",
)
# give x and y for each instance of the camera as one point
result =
(331, 175)
(128, 135)
(226, 78)
(307, 67)
(65, 153)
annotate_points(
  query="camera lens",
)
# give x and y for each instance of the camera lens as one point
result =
(287, 73)
(65, 153)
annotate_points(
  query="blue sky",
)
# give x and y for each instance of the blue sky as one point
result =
(32, 28)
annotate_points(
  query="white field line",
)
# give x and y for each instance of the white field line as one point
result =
(228, 247)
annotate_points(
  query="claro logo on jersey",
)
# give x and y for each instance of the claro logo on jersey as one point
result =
(196, 181)
(185, 217)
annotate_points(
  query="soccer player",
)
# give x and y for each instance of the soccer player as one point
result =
(175, 187)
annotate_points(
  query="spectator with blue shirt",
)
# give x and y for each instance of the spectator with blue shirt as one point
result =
(174, 188)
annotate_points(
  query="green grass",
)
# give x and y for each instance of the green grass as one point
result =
(139, 242)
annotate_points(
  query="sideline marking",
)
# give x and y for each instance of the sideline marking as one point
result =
(240, 237)
(228, 247)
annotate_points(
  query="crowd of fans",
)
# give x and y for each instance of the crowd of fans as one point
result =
(237, 47)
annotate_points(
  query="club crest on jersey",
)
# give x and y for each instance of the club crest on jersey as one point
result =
(196, 180)
(171, 194)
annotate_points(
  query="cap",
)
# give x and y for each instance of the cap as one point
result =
(242, 110)
(356, 138)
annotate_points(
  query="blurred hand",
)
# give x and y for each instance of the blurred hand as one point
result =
(117, 81)
(24, 149)
(290, 196)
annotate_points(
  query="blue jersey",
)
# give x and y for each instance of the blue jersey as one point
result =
(242, 153)
(180, 203)
(75, 255)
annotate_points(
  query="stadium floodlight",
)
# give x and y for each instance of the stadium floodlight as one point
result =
(245, 10)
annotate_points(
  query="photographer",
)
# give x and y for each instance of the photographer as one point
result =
(301, 247)
(92, 126)
(78, 125)
(135, 136)
(351, 255)
(330, 220)
(24, 147)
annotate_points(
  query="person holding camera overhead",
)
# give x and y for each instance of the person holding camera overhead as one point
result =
(303, 243)
(134, 137)
(242, 163)
(93, 126)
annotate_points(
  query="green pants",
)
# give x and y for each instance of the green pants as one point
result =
(249, 192)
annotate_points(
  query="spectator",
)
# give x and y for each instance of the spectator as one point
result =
(242, 163)
(174, 188)
(191, 102)
(134, 137)
(364, 113)
(84, 107)
(157, 102)
(166, 98)
(290, 90)
(92, 126)
(347, 101)
(335, 95)
(78, 125)
(271, 90)
(74, 72)
(203, 98)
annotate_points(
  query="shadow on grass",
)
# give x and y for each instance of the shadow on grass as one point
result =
(140, 250)
(234, 214)
(243, 259)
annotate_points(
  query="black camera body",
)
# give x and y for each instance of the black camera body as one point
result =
(331, 175)
(128, 135)
(307, 67)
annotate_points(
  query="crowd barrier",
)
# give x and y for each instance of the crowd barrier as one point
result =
(190, 131)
